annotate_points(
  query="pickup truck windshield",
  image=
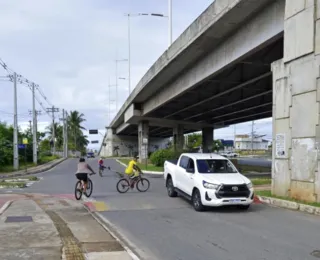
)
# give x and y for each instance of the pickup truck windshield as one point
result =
(215, 166)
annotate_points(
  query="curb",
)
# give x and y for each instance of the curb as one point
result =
(45, 168)
(109, 227)
(145, 172)
(289, 205)
(5, 206)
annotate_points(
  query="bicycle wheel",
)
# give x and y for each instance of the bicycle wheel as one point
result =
(89, 188)
(143, 185)
(123, 186)
(78, 190)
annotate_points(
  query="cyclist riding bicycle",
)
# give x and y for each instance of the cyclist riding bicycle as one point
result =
(82, 173)
(133, 169)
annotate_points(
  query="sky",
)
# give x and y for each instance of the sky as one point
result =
(69, 48)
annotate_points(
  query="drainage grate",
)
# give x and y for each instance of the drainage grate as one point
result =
(16, 219)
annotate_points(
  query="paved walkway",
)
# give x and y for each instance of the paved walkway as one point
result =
(53, 227)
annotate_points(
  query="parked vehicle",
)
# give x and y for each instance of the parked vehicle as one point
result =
(207, 180)
(90, 155)
(229, 154)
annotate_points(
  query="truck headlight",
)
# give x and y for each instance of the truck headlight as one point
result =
(249, 185)
(208, 185)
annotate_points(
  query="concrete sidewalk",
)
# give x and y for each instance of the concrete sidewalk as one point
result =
(47, 227)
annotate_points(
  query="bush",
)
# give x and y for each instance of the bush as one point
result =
(160, 156)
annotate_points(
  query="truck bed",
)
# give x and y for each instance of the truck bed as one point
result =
(175, 161)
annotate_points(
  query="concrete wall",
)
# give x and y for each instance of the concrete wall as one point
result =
(296, 96)
(117, 145)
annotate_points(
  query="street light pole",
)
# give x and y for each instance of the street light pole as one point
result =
(170, 21)
(129, 36)
(129, 55)
(117, 81)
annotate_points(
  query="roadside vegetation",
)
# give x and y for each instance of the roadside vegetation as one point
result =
(77, 141)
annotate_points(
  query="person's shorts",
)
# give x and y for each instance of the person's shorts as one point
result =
(82, 176)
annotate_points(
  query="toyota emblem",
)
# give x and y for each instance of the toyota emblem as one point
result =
(235, 188)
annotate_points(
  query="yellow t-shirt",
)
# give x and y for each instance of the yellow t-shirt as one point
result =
(130, 169)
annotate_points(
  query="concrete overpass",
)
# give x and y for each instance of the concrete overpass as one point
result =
(240, 60)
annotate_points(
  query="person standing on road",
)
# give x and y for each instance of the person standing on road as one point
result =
(82, 173)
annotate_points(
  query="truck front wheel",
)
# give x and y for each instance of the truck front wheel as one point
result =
(196, 201)
(170, 188)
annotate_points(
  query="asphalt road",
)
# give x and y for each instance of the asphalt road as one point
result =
(163, 228)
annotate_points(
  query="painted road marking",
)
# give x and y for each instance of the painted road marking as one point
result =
(94, 205)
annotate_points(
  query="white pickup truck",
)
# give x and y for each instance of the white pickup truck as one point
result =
(208, 180)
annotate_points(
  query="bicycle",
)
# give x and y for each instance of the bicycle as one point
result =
(136, 181)
(79, 189)
(101, 169)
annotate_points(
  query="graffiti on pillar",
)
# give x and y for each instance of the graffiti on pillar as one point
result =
(130, 148)
(116, 150)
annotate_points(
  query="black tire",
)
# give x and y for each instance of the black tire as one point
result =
(124, 183)
(89, 188)
(170, 189)
(144, 183)
(77, 190)
(196, 201)
(244, 207)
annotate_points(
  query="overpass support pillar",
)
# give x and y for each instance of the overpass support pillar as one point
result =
(296, 106)
(207, 139)
(178, 138)
(143, 141)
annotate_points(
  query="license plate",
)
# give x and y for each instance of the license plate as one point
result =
(234, 201)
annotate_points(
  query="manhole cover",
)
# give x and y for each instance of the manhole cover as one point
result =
(14, 219)
(316, 253)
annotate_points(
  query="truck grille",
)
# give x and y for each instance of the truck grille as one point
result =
(233, 191)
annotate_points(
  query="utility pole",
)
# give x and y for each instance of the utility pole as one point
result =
(63, 119)
(234, 138)
(252, 136)
(34, 115)
(15, 123)
(53, 110)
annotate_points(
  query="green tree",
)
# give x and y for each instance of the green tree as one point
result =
(58, 131)
(194, 140)
(217, 145)
(75, 119)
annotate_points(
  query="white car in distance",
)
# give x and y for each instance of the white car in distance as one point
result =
(208, 180)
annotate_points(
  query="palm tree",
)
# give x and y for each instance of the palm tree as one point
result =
(58, 131)
(74, 120)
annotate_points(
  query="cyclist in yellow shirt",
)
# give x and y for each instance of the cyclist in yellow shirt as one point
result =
(133, 169)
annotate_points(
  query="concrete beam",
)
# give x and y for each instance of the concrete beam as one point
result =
(168, 123)
(228, 91)
(264, 28)
(121, 128)
(205, 33)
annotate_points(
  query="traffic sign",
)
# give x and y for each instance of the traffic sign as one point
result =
(25, 140)
(93, 132)
(21, 146)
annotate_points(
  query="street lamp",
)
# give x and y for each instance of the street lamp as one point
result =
(117, 81)
(129, 37)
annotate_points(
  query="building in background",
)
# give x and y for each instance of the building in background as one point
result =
(245, 142)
